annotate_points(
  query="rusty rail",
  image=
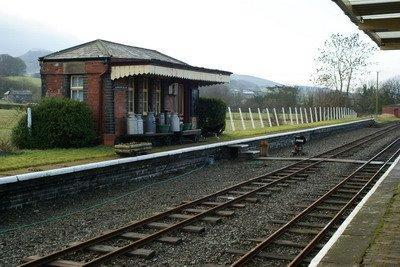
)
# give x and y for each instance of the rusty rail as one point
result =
(289, 173)
(306, 212)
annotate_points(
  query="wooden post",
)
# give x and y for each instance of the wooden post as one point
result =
(306, 115)
(241, 118)
(261, 120)
(231, 119)
(316, 114)
(276, 117)
(284, 115)
(269, 118)
(297, 117)
(301, 115)
(320, 114)
(264, 148)
(324, 114)
(251, 119)
(29, 118)
(290, 114)
(311, 116)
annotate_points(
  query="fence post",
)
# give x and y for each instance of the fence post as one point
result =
(276, 117)
(269, 118)
(306, 115)
(316, 114)
(284, 115)
(311, 116)
(259, 115)
(29, 118)
(241, 118)
(290, 114)
(301, 115)
(320, 114)
(297, 117)
(251, 119)
(231, 119)
(324, 110)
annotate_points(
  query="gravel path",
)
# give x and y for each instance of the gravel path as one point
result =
(115, 208)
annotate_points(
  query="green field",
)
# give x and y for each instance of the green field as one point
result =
(8, 119)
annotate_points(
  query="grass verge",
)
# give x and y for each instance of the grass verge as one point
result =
(36, 160)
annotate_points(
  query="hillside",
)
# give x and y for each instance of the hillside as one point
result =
(31, 59)
(239, 81)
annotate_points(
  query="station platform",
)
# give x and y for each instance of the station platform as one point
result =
(370, 235)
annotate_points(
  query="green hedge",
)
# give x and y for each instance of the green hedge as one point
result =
(56, 123)
(211, 116)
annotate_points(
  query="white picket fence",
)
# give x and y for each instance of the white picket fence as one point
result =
(270, 117)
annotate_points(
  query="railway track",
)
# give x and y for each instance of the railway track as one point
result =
(211, 208)
(296, 238)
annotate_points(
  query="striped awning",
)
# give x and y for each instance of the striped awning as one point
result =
(380, 19)
(196, 75)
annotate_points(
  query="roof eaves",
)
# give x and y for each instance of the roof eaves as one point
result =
(123, 61)
(345, 5)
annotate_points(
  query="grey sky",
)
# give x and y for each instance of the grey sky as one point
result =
(273, 39)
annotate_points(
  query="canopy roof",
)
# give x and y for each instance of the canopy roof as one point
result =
(129, 60)
(379, 19)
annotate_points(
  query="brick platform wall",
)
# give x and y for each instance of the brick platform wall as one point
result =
(30, 192)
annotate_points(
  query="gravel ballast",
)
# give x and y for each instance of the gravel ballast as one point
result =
(49, 227)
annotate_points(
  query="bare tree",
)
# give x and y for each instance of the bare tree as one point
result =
(342, 60)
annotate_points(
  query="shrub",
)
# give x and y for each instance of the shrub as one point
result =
(211, 116)
(56, 123)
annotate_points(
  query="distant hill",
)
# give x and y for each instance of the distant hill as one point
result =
(31, 59)
(239, 81)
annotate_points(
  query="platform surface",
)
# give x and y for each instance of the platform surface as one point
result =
(373, 235)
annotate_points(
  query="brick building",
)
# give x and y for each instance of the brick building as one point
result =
(116, 80)
(392, 110)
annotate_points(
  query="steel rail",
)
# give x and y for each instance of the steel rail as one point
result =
(114, 233)
(321, 234)
(269, 240)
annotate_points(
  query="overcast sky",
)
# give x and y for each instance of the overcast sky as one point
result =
(272, 39)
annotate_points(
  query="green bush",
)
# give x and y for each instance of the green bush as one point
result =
(56, 123)
(211, 116)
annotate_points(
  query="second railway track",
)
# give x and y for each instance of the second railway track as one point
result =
(303, 233)
(211, 208)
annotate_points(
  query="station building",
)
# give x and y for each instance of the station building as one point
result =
(116, 80)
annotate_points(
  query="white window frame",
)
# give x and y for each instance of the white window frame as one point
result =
(145, 95)
(131, 96)
(76, 88)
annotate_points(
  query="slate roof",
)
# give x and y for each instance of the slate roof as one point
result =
(106, 49)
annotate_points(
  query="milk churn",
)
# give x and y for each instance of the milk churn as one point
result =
(150, 123)
(175, 123)
(132, 124)
(167, 118)
(139, 124)
(161, 119)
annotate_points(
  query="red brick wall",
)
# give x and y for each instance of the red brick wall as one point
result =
(391, 110)
(120, 112)
(94, 71)
(53, 78)
(54, 81)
